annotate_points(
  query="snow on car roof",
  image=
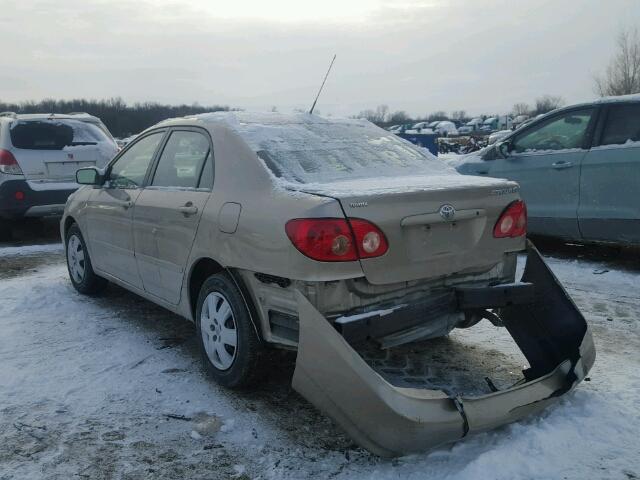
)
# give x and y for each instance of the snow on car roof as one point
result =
(53, 116)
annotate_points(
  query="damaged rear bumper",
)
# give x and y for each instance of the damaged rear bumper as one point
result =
(390, 421)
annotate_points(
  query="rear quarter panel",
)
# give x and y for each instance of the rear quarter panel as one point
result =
(260, 243)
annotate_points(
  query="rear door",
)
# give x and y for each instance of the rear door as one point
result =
(545, 160)
(168, 211)
(53, 149)
(109, 210)
(609, 208)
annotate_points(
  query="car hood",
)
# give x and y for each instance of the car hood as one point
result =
(455, 161)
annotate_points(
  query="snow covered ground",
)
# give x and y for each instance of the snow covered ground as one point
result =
(111, 387)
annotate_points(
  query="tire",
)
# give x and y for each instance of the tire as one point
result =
(231, 366)
(81, 273)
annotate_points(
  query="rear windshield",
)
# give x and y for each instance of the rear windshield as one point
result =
(323, 151)
(55, 134)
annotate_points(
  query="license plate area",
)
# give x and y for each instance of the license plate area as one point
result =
(443, 238)
(66, 170)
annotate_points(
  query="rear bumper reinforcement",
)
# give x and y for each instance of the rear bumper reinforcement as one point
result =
(391, 421)
(380, 323)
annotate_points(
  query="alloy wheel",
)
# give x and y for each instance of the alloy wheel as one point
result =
(75, 258)
(219, 331)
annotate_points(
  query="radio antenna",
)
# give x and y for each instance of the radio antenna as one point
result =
(324, 80)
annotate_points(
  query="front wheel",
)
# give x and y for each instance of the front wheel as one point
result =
(229, 344)
(81, 273)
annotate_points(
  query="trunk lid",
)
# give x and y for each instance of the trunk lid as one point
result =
(54, 149)
(436, 225)
(56, 165)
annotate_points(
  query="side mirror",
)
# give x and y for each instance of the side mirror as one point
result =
(504, 148)
(88, 176)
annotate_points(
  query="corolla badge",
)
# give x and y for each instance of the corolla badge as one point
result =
(447, 211)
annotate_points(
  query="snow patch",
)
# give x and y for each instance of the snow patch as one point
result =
(31, 250)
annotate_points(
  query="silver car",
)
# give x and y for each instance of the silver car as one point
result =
(293, 231)
(578, 168)
(39, 156)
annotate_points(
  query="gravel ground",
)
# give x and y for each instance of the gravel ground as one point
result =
(111, 387)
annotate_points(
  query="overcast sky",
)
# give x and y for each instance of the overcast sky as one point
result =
(418, 56)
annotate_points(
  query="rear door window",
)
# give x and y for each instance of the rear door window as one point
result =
(622, 125)
(565, 132)
(182, 159)
(206, 177)
(55, 134)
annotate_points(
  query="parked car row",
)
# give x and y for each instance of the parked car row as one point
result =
(442, 128)
(445, 128)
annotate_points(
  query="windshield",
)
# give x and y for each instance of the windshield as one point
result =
(320, 151)
(55, 134)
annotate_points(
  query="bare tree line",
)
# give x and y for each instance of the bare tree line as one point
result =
(382, 115)
(622, 75)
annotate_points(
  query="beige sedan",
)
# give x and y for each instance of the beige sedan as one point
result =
(293, 231)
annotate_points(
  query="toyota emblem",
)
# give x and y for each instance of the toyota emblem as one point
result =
(447, 211)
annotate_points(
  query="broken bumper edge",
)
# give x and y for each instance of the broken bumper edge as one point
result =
(392, 421)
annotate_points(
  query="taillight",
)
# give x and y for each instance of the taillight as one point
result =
(9, 164)
(370, 240)
(332, 239)
(512, 222)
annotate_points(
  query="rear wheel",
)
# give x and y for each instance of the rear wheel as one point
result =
(229, 344)
(81, 272)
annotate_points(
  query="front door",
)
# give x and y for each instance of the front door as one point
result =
(168, 211)
(610, 181)
(545, 160)
(110, 211)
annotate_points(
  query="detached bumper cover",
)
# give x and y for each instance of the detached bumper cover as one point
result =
(391, 421)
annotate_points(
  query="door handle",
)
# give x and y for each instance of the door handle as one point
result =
(188, 209)
(562, 164)
(482, 172)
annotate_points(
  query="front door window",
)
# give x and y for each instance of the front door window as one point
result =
(565, 132)
(131, 168)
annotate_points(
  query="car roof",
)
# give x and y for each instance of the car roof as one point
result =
(236, 118)
(600, 101)
(49, 116)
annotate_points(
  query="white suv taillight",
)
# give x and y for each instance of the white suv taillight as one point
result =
(9, 164)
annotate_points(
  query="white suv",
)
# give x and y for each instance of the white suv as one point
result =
(39, 156)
